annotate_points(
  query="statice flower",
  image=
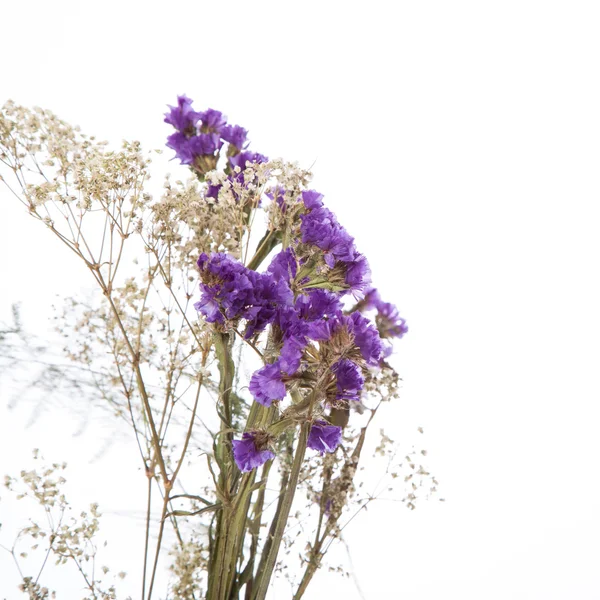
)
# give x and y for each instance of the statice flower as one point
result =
(181, 144)
(389, 322)
(240, 160)
(183, 117)
(324, 437)
(317, 304)
(294, 343)
(366, 337)
(298, 323)
(345, 332)
(205, 143)
(349, 380)
(312, 199)
(226, 287)
(348, 269)
(369, 300)
(284, 265)
(358, 273)
(270, 293)
(267, 385)
(277, 194)
(252, 450)
(212, 121)
(200, 136)
(232, 291)
(235, 135)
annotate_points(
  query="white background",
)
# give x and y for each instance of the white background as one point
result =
(460, 143)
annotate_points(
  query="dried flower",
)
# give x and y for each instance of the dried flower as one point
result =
(267, 385)
(324, 437)
(251, 451)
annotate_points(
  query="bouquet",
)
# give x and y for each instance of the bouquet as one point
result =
(237, 332)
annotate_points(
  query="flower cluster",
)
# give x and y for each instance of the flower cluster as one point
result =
(314, 343)
(389, 322)
(320, 228)
(230, 291)
(199, 137)
(252, 450)
(324, 437)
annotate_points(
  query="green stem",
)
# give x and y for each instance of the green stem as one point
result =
(223, 457)
(268, 242)
(254, 528)
(282, 517)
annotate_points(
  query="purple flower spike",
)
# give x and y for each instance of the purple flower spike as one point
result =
(240, 160)
(389, 322)
(366, 337)
(358, 274)
(284, 265)
(205, 143)
(181, 144)
(212, 121)
(182, 117)
(312, 199)
(324, 437)
(235, 135)
(266, 384)
(226, 287)
(249, 453)
(349, 380)
(291, 353)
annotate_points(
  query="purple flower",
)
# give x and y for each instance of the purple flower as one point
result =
(235, 135)
(227, 290)
(321, 228)
(349, 380)
(208, 305)
(251, 451)
(232, 291)
(182, 116)
(389, 322)
(240, 160)
(370, 300)
(349, 270)
(269, 295)
(358, 274)
(302, 322)
(277, 194)
(284, 265)
(349, 330)
(312, 199)
(291, 352)
(317, 304)
(212, 191)
(366, 337)
(266, 384)
(212, 120)
(324, 437)
(181, 144)
(205, 143)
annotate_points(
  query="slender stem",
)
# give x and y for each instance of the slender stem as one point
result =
(159, 542)
(254, 528)
(265, 575)
(269, 241)
(147, 537)
(143, 393)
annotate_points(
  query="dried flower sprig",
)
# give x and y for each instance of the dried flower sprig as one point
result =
(59, 537)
